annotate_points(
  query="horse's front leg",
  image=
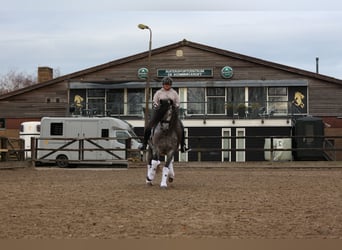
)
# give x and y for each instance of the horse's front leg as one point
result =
(167, 170)
(152, 166)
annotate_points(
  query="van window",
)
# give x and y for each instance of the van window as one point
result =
(56, 128)
(121, 136)
(104, 132)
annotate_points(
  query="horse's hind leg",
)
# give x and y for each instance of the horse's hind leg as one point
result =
(171, 172)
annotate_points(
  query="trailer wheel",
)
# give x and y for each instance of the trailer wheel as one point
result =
(62, 161)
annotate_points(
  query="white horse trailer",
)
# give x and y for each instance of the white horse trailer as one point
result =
(85, 140)
(27, 131)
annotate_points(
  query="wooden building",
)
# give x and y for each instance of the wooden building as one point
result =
(222, 94)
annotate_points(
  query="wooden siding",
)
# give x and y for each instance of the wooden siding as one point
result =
(46, 101)
(325, 98)
(52, 98)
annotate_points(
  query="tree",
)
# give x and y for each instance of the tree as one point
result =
(15, 80)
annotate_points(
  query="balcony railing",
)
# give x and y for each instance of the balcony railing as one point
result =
(189, 110)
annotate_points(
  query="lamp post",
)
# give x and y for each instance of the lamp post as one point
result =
(147, 87)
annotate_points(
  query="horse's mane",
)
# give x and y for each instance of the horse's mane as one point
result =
(163, 108)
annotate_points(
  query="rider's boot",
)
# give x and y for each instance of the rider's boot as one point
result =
(147, 134)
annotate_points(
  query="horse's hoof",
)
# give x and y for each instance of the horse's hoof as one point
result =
(170, 179)
(163, 186)
(149, 183)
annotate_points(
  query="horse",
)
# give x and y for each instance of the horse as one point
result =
(164, 141)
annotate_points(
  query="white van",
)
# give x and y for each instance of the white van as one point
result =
(68, 140)
(27, 131)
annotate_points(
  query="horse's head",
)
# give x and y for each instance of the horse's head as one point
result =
(167, 113)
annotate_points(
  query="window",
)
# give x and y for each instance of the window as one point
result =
(216, 100)
(2, 123)
(236, 101)
(104, 132)
(115, 102)
(196, 98)
(135, 101)
(236, 95)
(277, 100)
(96, 101)
(122, 136)
(256, 101)
(56, 128)
(96, 106)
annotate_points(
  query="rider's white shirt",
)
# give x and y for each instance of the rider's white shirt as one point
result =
(163, 94)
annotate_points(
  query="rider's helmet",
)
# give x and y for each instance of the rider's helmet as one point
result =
(167, 80)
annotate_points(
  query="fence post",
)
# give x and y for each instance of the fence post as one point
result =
(22, 150)
(33, 150)
(128, 146)
(271, 152)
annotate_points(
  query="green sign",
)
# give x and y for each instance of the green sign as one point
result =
(142, 73)
(227, 72)
(185, 72)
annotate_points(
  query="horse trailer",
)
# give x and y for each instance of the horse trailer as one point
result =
(86, 140)
(27, 131)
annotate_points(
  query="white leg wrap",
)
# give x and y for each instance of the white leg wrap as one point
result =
(163, 183)
(151, 170)
(148, 179)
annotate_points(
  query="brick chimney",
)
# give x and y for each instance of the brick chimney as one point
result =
(44, 74)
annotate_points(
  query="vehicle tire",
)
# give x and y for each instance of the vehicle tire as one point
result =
(62, 161)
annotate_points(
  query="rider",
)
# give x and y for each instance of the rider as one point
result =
(166, 92)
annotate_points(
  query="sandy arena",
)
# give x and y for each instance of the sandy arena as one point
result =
(205, 201)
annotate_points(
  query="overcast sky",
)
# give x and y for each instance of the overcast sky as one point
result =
(75, 35)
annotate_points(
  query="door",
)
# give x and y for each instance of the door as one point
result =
(226, 144)
(240, 144)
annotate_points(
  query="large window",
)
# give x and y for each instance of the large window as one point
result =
(196, 98)
(216, 98)
(115, 102)
(236, 95)
(256, 101)
(96, 101)
(277, 100)
(135, 101)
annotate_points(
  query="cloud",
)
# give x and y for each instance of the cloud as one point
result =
(76, 35)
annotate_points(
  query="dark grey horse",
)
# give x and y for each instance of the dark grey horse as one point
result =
(164, 141)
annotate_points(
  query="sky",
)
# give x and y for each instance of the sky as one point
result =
(69, 36)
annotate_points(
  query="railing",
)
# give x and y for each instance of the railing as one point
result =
(65, 151)
(11, 149)
(326, 148)
(240, 110)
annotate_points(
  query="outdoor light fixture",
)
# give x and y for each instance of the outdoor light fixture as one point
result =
(147, 87)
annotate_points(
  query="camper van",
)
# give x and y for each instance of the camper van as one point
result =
(27, 131)
(86, 140)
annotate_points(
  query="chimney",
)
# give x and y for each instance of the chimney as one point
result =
(44, 74)
(317, 65)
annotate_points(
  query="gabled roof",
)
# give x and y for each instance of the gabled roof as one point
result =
(166, 48)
